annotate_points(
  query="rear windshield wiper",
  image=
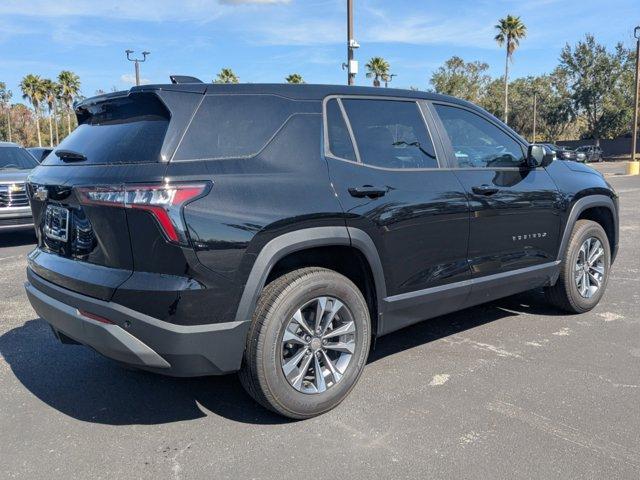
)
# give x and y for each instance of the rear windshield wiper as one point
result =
(70, 156)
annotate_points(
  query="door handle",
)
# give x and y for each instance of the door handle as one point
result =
(367, 191)
(485, 190)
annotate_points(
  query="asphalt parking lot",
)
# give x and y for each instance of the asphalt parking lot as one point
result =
(512, 389)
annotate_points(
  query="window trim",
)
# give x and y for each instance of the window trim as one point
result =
(444, 137)
(325, 129)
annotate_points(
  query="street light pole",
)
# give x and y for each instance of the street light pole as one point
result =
(137, 62)
(634, 133)
(351, 65)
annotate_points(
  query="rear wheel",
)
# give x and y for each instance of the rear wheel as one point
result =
(584, 270)
(307, 344)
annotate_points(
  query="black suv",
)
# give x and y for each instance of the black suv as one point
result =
(275, 230)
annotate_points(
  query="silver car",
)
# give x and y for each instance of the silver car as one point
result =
(15, 164)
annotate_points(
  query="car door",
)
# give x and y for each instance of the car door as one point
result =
(386, 172)
(514, 231)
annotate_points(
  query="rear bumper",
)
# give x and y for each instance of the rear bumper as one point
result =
(137, 339)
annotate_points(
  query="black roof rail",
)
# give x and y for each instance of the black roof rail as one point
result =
(176, 79)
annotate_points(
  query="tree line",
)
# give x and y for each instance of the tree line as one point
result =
(50, 100)
(589, 94)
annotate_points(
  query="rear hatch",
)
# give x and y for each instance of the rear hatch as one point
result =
(80, 192)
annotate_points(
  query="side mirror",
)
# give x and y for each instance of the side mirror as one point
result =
(539, 156)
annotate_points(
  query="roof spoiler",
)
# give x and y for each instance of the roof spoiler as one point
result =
(177, 79)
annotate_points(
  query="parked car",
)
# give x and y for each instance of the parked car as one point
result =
(592, 153)
(564, 153)
(15, 165)
(276, 230)
(39, 153)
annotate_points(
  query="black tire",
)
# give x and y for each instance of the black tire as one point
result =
(565, 293)
(262, 373)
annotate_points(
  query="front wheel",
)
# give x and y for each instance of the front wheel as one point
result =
(584, 271)
(308, 343)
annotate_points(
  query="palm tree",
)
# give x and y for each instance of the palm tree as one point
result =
(50, 90)
(226, 75)
(69, 89)
(5, 103)
(378, 68)
(32, 90)
(510, 31)
(294, 78)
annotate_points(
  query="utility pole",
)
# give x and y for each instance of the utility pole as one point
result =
(137, 62)
(634, 133)
(535, 114)
(351, 65)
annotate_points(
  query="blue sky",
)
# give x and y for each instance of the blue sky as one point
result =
(264, 40)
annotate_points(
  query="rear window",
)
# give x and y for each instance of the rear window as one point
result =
(123, 130)
(16, 158)
(234, 126)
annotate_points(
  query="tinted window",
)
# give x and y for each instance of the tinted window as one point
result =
(390, 134)
(15, 157)
(339, 140)
(477, 142)
(232, 126)
(125, 130)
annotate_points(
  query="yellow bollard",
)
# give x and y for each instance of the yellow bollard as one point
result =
(633, 168)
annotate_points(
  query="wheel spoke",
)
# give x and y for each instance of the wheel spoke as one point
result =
(595, 255)
(332, 368)
(345, 347)
(296, 380)
(293, 362)
(597, 268)
(582, 254)
(585, 284)
(320, 383)
(336, 305)
(595, 279)
(345, 329)
(321, 305)
(290, 337)
(299, 319)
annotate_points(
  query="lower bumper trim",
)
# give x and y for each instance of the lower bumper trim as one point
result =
(137, 339)
(110, 340)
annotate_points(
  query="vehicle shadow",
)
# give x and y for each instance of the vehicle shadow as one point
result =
(17, 238)
(80, 383)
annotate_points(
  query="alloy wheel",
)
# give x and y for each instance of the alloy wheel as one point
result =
(590, 267)
(318, 344)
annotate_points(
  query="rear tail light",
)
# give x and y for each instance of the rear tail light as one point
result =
(163, 201)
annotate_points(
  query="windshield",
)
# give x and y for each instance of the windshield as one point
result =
(16, 158)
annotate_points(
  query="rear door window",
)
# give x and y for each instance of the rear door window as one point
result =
(390, 133)
(340, 144)
(234, 126)
(122, 130)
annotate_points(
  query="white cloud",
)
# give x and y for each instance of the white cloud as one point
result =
(141, 10)
(249, 2)
(130, 79)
